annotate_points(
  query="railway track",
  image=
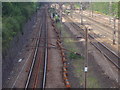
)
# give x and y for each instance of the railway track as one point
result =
(38, 69)
(105, 30)
(103, 18)
(109, 54)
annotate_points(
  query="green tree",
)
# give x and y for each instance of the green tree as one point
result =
(14, 15)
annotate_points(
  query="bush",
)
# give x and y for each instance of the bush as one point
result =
(103, 7)
(74, 56)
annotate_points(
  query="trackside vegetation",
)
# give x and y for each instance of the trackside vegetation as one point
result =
(14, 16)
(103, 7)
(119, 9)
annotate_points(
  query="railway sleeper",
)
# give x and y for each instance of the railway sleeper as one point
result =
(65, 70)
(65, 75)
(63, 54)
(67, 83)
(64, 59)
(65, 64)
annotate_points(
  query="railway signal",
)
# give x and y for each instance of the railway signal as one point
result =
(86, 56)
(92, 8)
(110, 11)
(85, 70)
(60, 18)
(81, 9)
(114, 31)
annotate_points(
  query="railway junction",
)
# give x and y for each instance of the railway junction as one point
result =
(68, 47)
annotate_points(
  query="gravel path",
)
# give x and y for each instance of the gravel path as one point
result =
(54, 74)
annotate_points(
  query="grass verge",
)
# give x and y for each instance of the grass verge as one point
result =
(77, 61)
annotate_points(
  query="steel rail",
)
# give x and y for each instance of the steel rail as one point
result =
(34, 59)
(46, 56)
(105, 55)
(106, 47)
(42, 27)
